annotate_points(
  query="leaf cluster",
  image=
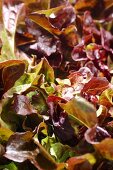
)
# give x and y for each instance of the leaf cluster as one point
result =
(56, 85)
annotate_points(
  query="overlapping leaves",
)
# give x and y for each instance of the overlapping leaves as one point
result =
(56, 92)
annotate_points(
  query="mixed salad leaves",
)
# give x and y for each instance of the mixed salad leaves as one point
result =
(56, 84)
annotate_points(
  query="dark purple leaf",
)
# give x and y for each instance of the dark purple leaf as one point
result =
(105, 165)
(31, 122)
(103, 68)
(88, 25)
(15, 70)
(45, 45)
(96, 134)
(45, 42)
(106, 40)
(61, 124)
(63, 17)
(55, 3)
(90, 31)
(78, 53)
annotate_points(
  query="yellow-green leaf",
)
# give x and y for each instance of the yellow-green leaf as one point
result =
(106, 97)
(5, 133)
(81, 110)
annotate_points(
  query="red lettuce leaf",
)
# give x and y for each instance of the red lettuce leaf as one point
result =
(61, 124)
(96, 86)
